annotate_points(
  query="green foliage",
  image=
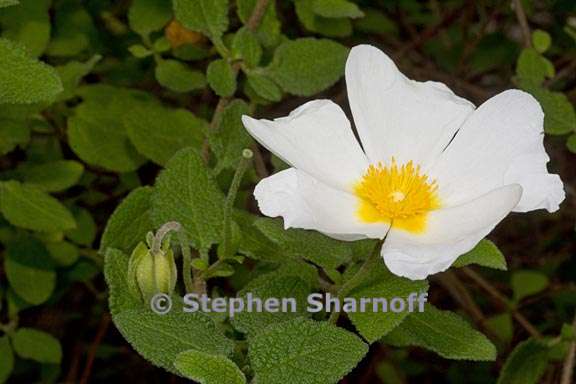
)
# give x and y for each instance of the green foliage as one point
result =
(28, 207)
(147, 16)
(526, 364)
(208, 369)
(30, 270)
(299, 345)
(28, 24)
(186, 193)
(207, 16)
(525, 283)
(221, 77)
(158, 132)
(485, 254)
(24, 79)
(37, 345)
(177, 77)
(53, 176)
(307, 66)
(129, 223)
(443, 332)
(336, 9)
(246, 46)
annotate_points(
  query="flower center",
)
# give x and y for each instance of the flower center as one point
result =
(400, 195)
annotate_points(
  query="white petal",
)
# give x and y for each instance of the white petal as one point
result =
(307, 203)
(315, 138)
(500, 144)
(396, 116)
(450, 233)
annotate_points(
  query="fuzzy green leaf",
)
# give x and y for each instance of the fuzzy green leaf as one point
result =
(486, 254)
(264, 87)
(63, 253)
(116, 273)
(443, 332)
(272, 285)
(305, 352)
(221, 77)
(208, 369)
(381, 283)
(158, 132)
(230, 137)
(268, 31)
(72, 73)
(30, 270)
(207, 16)
(307, 66)
(246, 46)
(24, 79)
(28, 24)
(28, 207)
(146, 16)
(178, 77)
(526, 364)
(96, 132)
(37, 345)
(129, 223)
(161, 338)
(53, 176)
(336, 9)
(186, 193)
(330, 27)
(311, 245)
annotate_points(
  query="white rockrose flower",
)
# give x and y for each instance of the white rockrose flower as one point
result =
(432, 174)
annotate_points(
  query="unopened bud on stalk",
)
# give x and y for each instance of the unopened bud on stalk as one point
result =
(151, 273)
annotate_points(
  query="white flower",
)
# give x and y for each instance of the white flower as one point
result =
(435, 174)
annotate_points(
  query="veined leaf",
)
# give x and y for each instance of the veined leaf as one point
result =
(486, 254)
(208, 369)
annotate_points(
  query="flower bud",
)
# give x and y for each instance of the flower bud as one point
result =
(149, 274)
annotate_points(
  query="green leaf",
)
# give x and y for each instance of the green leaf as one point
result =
(4, 4)
(37, 345)
(7, 361)
(571, 143)
(208, 369)
(140, 51)
(307, 66)
(186, 193)
(158, 132)
(331, 27)
(533, 68)
(526, 364)
(264, 87)
(96, 132)
(541, 40)
(74, 29)
(381, 283)
(28, 207)
(85, 231)
(221, 77)
(129, 223)
(559, 113)
(268, 31)
(246, 46)
(161, 338)
(272, 285)
(375, 21)
(304, 351)
(28, 24)
(63, 253)
(30, 270)
(207, 16)
(525, 283)
(443, 332)
(486, 254)
(146, 16)
(12, 134)
(24, 79)
(116, 273)
(336, 9)
(72, 73)
(502, 326)
(230, 137)
(311, 245)
(178, 77)
(53, 176)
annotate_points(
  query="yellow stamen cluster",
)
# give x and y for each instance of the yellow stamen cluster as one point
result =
(397, 194)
